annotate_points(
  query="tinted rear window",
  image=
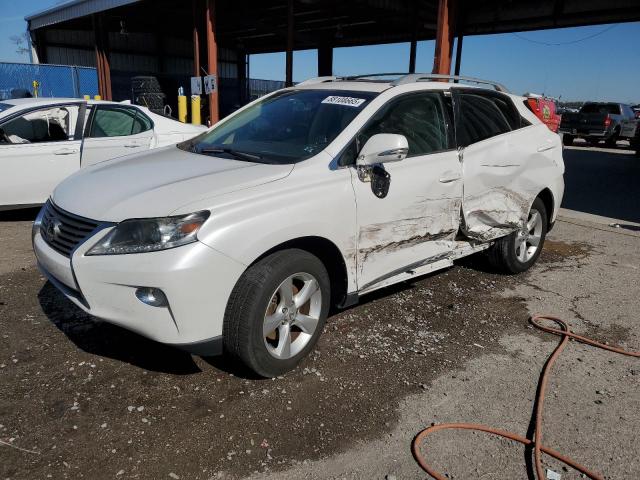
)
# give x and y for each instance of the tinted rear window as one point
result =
(5, 106)
(479, 118)
(610, 108)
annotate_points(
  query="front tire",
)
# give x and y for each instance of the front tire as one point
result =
(277, 311)
(518, 251)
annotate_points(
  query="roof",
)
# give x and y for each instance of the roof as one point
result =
(261, 27)
(379, 82)
(70, 10)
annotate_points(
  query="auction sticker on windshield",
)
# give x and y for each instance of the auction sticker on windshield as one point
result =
(348, 101)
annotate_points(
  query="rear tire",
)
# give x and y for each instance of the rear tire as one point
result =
(567, 140)
(266, 324)
(518, 251)
(611, 142)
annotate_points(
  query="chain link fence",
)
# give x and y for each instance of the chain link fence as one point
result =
(16, 80)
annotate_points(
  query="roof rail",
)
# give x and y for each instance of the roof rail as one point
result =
(334, 78)
(422, 77)
(405, 78)
(319, 80)
(373, 75)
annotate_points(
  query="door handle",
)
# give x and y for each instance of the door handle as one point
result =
(65, 151)
(450, 177)
(132, 145)
(544, 148)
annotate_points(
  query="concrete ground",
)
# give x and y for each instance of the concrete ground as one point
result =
(82, 399)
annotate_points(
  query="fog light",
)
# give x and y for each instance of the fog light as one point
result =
(152, 296)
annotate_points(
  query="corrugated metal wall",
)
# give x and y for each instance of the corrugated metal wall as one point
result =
(137, 53)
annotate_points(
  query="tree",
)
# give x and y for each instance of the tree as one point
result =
(21, 42)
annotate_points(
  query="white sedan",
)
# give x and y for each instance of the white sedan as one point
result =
(44, 140)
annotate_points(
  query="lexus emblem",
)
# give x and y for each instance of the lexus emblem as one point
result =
(53, 229)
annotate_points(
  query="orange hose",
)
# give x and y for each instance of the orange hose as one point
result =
(539, 448)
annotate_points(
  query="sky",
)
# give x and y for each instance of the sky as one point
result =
(599, 62)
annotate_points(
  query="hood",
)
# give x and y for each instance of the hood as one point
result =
(156, 183)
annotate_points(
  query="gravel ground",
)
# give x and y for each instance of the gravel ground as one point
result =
(82, 399)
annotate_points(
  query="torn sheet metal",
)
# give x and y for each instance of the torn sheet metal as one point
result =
(502, 177)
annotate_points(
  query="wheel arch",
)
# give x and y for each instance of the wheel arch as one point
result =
(331, 257)
(549, 204)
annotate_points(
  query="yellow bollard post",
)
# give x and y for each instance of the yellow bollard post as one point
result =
(97, 97)
(195, 110)
(182, 108)
(87, 97)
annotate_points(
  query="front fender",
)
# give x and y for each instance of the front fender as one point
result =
(310, 202)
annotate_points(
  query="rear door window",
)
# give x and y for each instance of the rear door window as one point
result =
(116, 121)
(479, 117)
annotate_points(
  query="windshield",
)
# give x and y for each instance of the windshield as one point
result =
(610, 108)
(285, 128)
(5, 106)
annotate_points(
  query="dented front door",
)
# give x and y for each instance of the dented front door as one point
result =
(415, 223)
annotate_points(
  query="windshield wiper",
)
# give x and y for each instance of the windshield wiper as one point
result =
(233, 153)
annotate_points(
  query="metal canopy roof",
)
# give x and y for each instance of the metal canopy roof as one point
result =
(70, 10)
(261, 26)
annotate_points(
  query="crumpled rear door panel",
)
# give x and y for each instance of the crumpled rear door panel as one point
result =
(502, 177)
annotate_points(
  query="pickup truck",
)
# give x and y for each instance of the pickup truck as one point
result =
(599, 121)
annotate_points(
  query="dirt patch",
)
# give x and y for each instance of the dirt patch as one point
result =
(557, 251)
(94, 400)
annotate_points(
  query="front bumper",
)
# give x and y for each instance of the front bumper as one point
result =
(196, 279)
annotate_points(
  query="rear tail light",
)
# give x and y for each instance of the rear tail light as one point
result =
(607, 121)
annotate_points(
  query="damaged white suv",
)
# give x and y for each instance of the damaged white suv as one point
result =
(241, 239)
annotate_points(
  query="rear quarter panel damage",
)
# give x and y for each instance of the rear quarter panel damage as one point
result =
(502, 177)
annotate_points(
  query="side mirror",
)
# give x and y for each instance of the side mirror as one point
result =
(383, 148)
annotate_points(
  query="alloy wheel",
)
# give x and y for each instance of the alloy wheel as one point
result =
(528, 239)
(292, 315)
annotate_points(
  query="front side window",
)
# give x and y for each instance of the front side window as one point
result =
(478, 118)
(285, 128)
(118, 122)
(421, 118)
(53, 124)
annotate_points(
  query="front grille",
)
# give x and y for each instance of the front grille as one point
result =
(64, 231)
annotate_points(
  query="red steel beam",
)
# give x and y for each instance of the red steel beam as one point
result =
(444, 37)
(212, 59)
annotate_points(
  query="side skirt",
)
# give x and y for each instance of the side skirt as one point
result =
(423, 267)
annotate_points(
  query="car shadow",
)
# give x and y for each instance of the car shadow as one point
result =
(107, 340)
(21, 215)
(111, 341)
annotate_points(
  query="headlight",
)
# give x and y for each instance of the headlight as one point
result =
(150, 234)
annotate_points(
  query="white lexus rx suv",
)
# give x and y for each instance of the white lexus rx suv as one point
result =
(242, 238)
